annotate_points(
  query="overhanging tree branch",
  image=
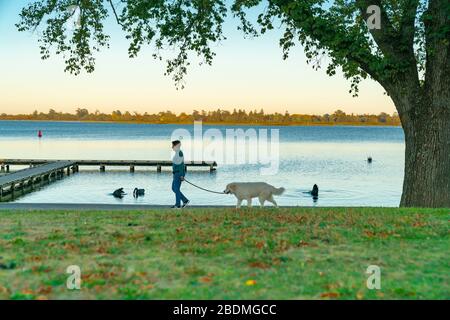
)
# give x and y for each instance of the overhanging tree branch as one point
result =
(408, 21)
(115, 13)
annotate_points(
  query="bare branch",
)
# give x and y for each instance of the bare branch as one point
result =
(115, 13)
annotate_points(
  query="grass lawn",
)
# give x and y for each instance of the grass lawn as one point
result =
(297, 253)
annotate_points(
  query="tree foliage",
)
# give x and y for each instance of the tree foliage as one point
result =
(336, 29)
(183, 25)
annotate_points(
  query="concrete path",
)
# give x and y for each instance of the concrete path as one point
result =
(88, 206)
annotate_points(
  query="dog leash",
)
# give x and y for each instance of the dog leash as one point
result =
(207, 190)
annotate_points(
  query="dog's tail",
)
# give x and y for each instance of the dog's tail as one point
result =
(278, 191)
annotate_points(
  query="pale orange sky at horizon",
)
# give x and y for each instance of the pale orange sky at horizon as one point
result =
(246, 73)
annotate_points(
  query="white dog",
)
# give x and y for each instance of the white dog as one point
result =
(248, 190)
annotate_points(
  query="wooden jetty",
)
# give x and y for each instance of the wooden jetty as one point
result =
(27, 178)
(102, 164)
(45, 171)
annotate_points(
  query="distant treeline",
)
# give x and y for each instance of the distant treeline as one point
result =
(237, 116)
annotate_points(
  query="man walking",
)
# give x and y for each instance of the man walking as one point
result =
(179, 170)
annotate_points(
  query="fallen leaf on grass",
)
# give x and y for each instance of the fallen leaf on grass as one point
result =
(205, 279)
(147, 287)
(259, 264)
(369, 234)
(35, 259)
(303, 243)
(45, 290)
(108, 275)
(4, 290)
(250, 282)
(260, 244)
(27, 292)
(329, 295)
(418, 224)
(101, 250)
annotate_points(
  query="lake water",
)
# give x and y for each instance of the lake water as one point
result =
(334, 157)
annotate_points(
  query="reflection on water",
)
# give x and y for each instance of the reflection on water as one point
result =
(332, 157)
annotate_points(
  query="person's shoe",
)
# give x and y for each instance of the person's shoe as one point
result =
(175, 207)
(185, 204)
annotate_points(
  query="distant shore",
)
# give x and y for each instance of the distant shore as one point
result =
(306, 124)
(237, 117)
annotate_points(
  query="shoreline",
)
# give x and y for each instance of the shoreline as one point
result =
(11, 206)
(222, 124)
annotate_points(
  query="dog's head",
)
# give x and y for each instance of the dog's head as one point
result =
(230, 188)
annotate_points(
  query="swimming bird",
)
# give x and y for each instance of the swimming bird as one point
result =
(119, 193)
(314, 192)
(138, 192)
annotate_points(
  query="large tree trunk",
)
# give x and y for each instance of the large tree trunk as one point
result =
(427, 155)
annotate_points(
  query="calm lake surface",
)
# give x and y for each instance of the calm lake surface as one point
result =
(332, 157)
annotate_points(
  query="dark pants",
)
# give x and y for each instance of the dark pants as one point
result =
(176, 185)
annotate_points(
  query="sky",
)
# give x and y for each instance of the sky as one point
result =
(246, 73)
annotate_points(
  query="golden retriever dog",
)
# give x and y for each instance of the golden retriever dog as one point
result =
(248, 190)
